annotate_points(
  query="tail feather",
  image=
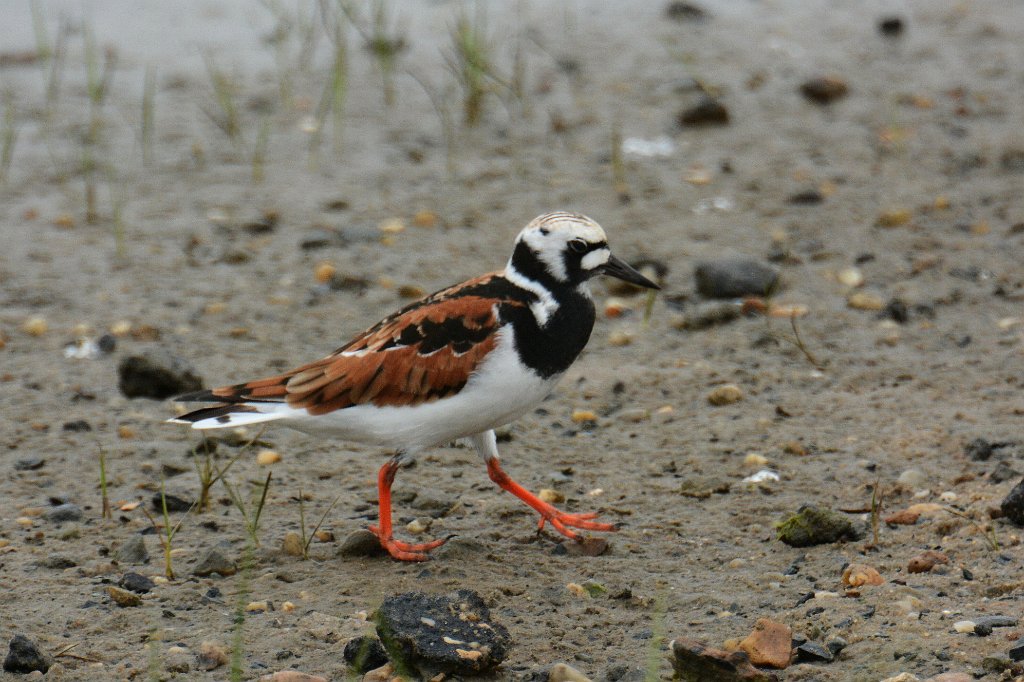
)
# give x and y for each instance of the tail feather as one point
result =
(233, 414)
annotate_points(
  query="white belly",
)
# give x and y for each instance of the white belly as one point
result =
(501, 391)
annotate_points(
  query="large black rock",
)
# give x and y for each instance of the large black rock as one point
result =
(156, 374)
(25, 657)
(425, 635)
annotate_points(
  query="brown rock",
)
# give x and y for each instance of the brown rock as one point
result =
(770, 644)
(824, 90)
(726, 394)
(856, 575)
(292, 676)
(695, 662)
(904, 517)
(211, 656)
(123, 598)
(926, 561)
(586, 547)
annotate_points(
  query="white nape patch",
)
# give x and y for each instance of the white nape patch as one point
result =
(595, 259)
(545, 305)
(549, 250)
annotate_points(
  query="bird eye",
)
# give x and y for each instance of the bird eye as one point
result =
(578, 245)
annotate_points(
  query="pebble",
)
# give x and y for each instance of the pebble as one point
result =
(1012, 505)
(35, 326)
(735, 277)
(360, 543)
(851, 277)
(707, 315)
(964, 626)
(136, 582)
(292, 544)
(856, 575)
(292, 676)
(551, 496)
(911, 479)
(896, 217)
(981, 450)
(891, 26)
(57, 562)
(588, 546)
(215, 562)
(24, 656)
(364, 653)
(267, 457)
(679, 10)
(133, 551)
(861, 300)
(815, 526)
(824, 89)
(156, 374)
(903, 517)
(177, 660)
(996, 621)
(693, 660)
(770, 644)
(560, 672)
(1002, 472)
(64, 512)
(726, 394)
(926, 561)
(452, 634)
(1016, 653)
(211, 656)
(705, 113)
(123, 598)
(173, 502)
(812, 652)
(29, 464)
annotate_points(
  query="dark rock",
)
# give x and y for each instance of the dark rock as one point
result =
(808, 197)
(891, 27)
(133, 551)
(982, 629)
(587, 546)
(996, 621)
(64, 512)
(453, 634)
(695, 662)
(25, 657)
(685, 11)
(625, 673)
(156, 374)
(319, 238)
(897, 311)
(706, 315)
(824, 90)
(1002, 472)
(1012, 505)
(837, 644)
(57, 561)
(707, 112)
(215, 562)
(812, 652)
(29, 464)
(981, 450)
(815, 526)
(360, 543)
(1016, 653)
(136, 582)
(107, 343)
(173, 502)
(735, 277)
(364, 654)
(79, 425)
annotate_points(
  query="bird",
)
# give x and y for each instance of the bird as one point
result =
(455, 364)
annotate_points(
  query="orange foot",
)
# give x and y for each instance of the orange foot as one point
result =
(559, 520)
(403, 551)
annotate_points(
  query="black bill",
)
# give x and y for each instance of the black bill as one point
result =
(621, 270)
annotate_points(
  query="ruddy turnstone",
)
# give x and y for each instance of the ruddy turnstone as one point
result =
(455, 364)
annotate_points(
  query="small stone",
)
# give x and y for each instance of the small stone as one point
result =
(364, 654)
(25, 657)
(851, 277)
(77, 426)
(964, 626)
(836, 644)
(903, 517)
(734, 278)
(292, 676)
(136, 582)
(726, 394)
(177, 660)
(755, 459)
(211, 656)
(292, 544)
(861, 300)
(560, 672)
(824, 89)
(679, 10)
(896, 217)
(769, 644)
(926, 561)
(173, 502)
(267, 457)
(696, 662)
(261, 606)
(1016, 653)
(57, 562)
(812, 652)
(588, 546)
(156, 374)
(1012, 505)
(551, 496)
(707, 112)
(35, 326)
(360, 543)
(215, 562)
(64, 512)
(1002, 472)
(996, 621)
(451, 634)
(891, 26)
(580, 416)
(133, 551)
(324, 271)
(856, 575)
(418, 526)
(123, 598)
(29, 464)
(815, 526)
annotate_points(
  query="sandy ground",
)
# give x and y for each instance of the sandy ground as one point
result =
(928, 141)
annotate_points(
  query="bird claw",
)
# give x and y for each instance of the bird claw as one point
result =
(404, 551)
(561, 521)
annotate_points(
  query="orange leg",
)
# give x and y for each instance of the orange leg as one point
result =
(548, 513)
(403, 551)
